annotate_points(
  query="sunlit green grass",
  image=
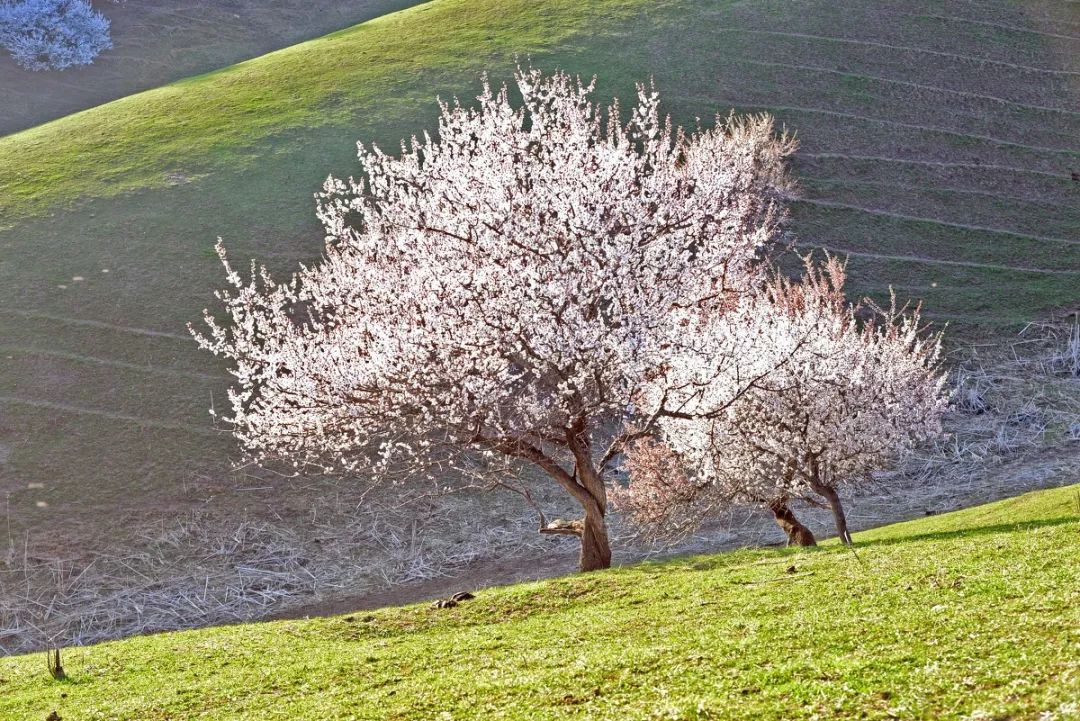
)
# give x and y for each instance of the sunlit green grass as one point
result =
(974, 614)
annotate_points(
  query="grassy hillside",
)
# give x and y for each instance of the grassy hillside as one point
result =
(936, 149)
(216, 121)
(974, 615)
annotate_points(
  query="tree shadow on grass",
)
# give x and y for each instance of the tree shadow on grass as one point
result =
(990, 530)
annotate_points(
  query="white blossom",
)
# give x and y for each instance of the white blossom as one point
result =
(53, 34)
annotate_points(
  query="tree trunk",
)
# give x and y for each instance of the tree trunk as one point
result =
(595, 549)
(837, 509)
(585, 483)
(797, 533)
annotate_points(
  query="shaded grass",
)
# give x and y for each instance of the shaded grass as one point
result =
(971, 613)
(870, 231)
(829, 89)
(955, 287)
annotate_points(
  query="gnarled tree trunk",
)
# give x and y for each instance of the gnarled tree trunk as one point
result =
(595, 549)
(797, 533)
(591, 531)
(586, 485)
(829, 493)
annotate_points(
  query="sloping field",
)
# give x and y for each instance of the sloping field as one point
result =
(937, 144)
(970, 615)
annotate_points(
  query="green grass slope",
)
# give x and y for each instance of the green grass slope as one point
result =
(936, 150)
(972, 615)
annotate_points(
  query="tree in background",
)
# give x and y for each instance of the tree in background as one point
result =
(499, 295)
(53, 34)
(843, 399)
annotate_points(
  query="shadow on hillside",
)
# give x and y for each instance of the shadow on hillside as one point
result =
(967, 532)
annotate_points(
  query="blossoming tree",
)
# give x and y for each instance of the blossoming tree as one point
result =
(845, 398)
(504, 289)
(53, 34)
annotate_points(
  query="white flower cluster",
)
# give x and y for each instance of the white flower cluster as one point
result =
(53, 34)
(501, 282)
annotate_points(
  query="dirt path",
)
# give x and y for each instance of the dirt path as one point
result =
(933, 163)
(101, 325)
(896, 185)
(935, 261)
(975, 60)
(986, 23)
(111, 415)
(907, 84)
(897, 124)
(123, 365)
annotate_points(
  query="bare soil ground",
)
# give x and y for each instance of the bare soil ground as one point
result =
(157, 42)
(938, 142)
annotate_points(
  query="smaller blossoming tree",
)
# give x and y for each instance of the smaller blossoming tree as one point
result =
(846, 398)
